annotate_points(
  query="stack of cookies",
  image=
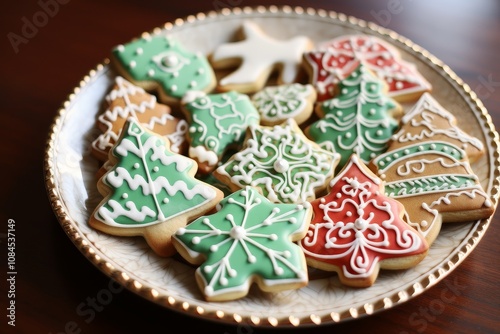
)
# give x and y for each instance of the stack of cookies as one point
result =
(268, 157)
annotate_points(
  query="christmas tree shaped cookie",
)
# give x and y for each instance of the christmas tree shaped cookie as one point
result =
(149, 190)
(217, 123)
(356, 230)
(360, 120)
(160, 63)
(248, 240)
(257, 57)
(427, 169)
(127, 100)
(281, 162)
(334, 60)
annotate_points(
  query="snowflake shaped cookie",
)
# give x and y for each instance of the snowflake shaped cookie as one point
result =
(248, 240)
(276, 104)
(356, 229)
(281, 162)
(258, 55)
(334, 60)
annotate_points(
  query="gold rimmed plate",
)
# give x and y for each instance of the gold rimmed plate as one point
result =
(71, 185)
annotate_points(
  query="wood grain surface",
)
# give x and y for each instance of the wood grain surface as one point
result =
(47, 48)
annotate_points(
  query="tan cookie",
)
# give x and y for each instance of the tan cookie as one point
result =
(127, 100)
(426, 167)
(150, 191)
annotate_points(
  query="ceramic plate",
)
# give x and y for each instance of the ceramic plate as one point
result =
(71, 184)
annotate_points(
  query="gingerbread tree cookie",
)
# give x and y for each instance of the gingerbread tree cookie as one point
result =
(149, 190)
(281, 162)
(356, 229)
(334, 60)
(427, 169)
(127, 100)
(256, 57)
(217, 122)
(360, 119)
(161, 63)
(249, 240)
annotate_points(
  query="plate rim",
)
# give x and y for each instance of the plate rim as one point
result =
(100, 260)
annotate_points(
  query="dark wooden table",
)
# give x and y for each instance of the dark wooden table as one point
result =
(39, 66)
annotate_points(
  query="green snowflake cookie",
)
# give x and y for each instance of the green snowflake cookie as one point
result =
(248, 240)
(359, 120)
(217, 122)
(162, 61)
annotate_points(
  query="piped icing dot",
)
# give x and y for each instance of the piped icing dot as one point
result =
(237, 233)
(281, 165)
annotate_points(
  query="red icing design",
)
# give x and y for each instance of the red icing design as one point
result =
(355, 226)
(338, 58)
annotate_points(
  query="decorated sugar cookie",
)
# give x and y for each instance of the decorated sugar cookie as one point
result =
(281, 162)
(427, 169)
(248, 240)
(150, 191)
(217, 123)
(357, 230)
(334, 60)
(256, 57)
(360, 119)
(161, 63)
(127, 100)
(276, 104)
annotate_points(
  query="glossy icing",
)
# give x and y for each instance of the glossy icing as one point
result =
(247, 237)
(217, 122)
(276, 104)
(282, 163)
(260, 54)
(427, 168)
(355, 226)
(166, 61)
(334, 60)
(149, 184)
(358, 120)
(126, 100)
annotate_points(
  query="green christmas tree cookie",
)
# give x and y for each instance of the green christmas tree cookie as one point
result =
(161, 63)
(150, 191)
(249, 240)
(361, 119)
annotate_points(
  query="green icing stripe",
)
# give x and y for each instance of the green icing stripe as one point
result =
(429, 184)
(386, 160)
